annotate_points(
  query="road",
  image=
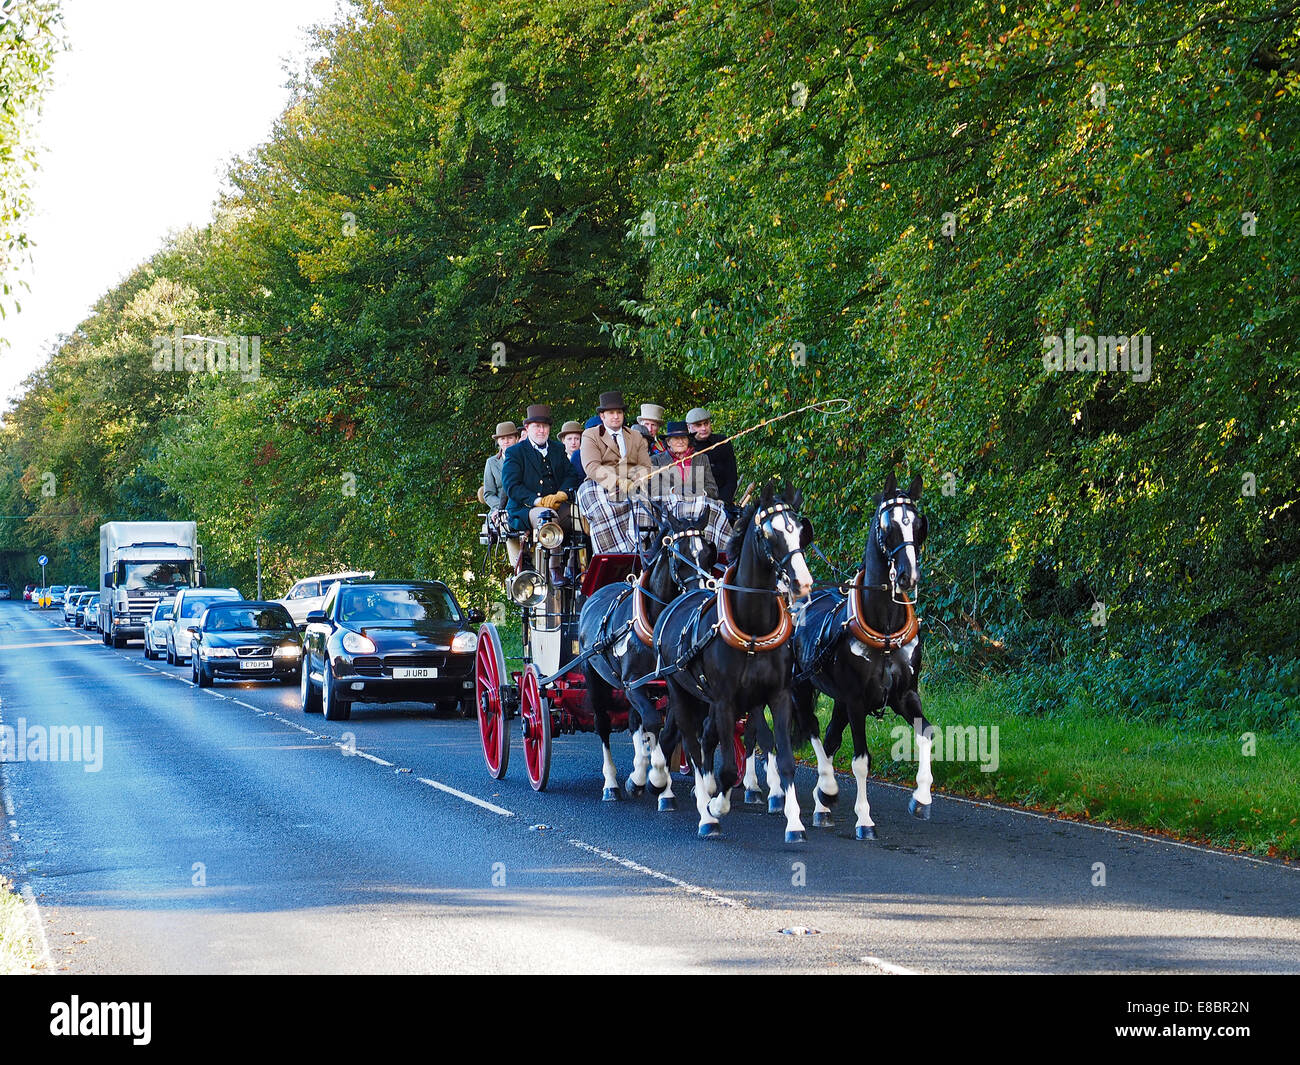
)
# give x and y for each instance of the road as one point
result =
(225, 831)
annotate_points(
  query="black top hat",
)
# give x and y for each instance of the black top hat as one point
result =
(611, 401)
(675, 429)
(538, 412)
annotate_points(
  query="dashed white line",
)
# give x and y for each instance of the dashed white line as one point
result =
(468, 798)
(362, 754)
(889, 967)
(627, 863)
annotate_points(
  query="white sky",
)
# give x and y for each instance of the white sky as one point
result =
(150, 103)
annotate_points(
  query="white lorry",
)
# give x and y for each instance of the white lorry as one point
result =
(141, 562)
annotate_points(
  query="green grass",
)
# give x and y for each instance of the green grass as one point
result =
(1082, 760)
(1085, 764)
(18, 950)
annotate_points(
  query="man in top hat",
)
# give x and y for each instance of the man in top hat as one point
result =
(721, 455)
(652, 420)
(617, 464)
(539, 482)
(493, 492)
(571, 438)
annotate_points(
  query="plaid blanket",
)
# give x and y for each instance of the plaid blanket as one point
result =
(613, 520)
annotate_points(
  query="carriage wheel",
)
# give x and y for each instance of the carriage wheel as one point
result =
(535, 715)
(489, 676)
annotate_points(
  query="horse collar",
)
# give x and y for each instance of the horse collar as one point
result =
(882, 641)
(732, 634)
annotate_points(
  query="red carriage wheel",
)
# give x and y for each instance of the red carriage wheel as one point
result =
(535, 715)
(489, 676)
(740, 749)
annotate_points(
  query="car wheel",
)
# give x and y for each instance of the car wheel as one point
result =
(201, 676)
(333, 706)
(308, 696)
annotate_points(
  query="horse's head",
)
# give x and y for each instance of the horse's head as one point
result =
(680, 546)
(898, 533)
(782, 534)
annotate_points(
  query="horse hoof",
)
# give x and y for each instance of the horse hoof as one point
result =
(919, 810)
(635, 789)
(710, 831)
(824, 799)
(775, 804)
(865, 832)
(823, 819)
(753, 798)
(611, 795)
(796, 837)
(667, 804)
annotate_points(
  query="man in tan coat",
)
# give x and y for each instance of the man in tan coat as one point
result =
(616, 461)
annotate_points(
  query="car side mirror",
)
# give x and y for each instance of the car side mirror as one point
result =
(192, 628)
(475, 615)
(317, 617)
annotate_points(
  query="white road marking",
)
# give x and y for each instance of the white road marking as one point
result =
(889, 967)
(637, 867)
(34, 917)
(362, 754)
(468, 798)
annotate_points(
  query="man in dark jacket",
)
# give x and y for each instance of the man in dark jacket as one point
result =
(721, 456)
(539, 482)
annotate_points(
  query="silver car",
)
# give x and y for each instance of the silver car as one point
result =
(188, 607)
(155, 629)
(309, 593)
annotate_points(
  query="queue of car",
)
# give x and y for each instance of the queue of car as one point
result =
(344, 638)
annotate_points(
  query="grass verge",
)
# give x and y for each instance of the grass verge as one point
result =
(19, 952)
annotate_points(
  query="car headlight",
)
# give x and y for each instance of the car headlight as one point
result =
(464, 643)
(288, 650)
(355, 643)
(218, 652)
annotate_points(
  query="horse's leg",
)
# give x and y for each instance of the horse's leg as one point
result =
(753, 792)
(599, 692)
(775, 792)
(661, 773)
(690, 713)
(724, 726)
(857, 715)
(782, 708)
(919, 804)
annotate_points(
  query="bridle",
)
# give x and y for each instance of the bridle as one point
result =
(765, 530)
(878, 534)
(669, 542)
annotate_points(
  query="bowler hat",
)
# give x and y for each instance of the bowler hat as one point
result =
(505, 429)
(538, 412)
(698, 414)
(675, 429)
(652, 412)
(610, 401)
(571, 427)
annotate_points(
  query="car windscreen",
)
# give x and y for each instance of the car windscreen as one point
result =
(194, 605)
(154, 576)
(246, 619)
(163, 611)
(379, 604)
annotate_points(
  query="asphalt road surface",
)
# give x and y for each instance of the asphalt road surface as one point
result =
(225, 831)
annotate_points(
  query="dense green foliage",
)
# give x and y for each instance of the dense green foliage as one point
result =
(29, 38)
(750, 206)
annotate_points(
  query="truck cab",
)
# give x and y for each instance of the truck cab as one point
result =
(142, 563)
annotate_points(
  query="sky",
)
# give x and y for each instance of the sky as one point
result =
(150, 103)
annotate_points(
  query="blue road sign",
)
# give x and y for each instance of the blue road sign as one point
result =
(42, 561)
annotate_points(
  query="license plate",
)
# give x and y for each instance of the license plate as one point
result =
(264, 664)
(414, 672)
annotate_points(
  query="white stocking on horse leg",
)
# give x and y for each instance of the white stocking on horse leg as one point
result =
(828, 788)
(921, 799)
(751, 771)
(610, 770)
(793, 823)
(866, 828)
(660, 778)
(703, 792)
(640, 761)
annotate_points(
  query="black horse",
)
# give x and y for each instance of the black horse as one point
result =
(728, 653)
(622, 617)
(862, 646)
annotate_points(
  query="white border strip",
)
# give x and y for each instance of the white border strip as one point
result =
(34, 919)
(889, 967)
(636, 867)
(461, 795)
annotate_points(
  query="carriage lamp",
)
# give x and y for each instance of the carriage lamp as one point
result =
(527, 589)
(464, 643)
(355, 643)
(550, 535)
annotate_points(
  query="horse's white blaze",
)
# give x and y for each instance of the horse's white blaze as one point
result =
(793, 533)
(910, 550)
(609, 768)
(861, 767)
(660, 777)
(924, 778)
(702, 800)
(751, 771)
(793, 823)
(640, 759)
(773, 776)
